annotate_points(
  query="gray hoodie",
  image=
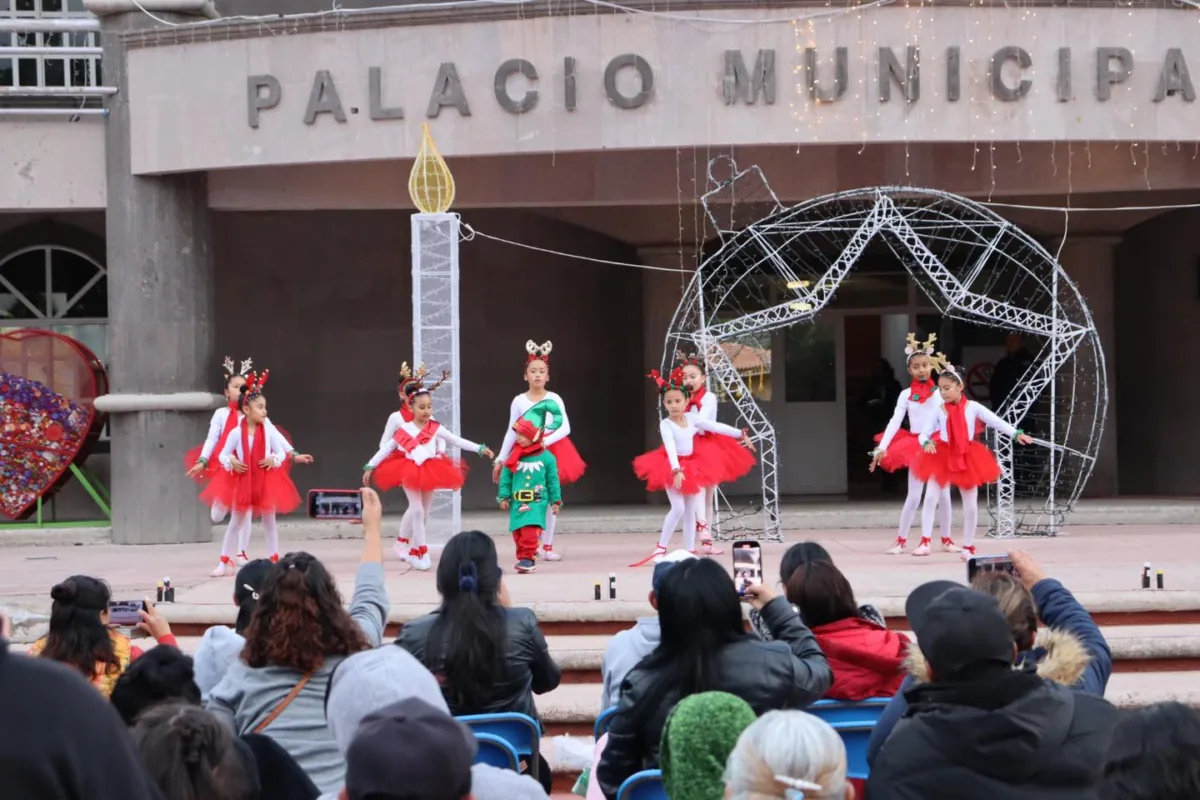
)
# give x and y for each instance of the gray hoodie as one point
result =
(246, 695)
(217, 652)
(366, 682)
(625, 651)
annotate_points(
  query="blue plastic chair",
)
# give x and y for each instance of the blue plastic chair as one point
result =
(644, 785)
(522, 732)
(496, 752)
(603, 722)
(860, 711)
(856, 736)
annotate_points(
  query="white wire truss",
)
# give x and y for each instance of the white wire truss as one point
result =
(774, 267)
(436, 339)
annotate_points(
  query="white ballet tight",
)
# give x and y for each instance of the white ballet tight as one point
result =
(683, 507)
(237, 533)
(705, 510)
(419, 505)
(970, 504)
(548, 531)
(911, 503)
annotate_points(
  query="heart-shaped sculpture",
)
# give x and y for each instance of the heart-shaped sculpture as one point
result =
(48, 383)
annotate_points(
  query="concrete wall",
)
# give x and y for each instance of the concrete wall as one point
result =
(51, 164)
(1158, 348)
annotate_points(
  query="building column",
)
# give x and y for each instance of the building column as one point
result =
(1090, 262)
(160, 295)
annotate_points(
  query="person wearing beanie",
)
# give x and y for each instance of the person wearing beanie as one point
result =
(699, 736)
(529, 487)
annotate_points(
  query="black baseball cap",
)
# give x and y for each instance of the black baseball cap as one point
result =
(957, 627)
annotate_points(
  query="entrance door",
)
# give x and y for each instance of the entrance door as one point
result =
(808, 407)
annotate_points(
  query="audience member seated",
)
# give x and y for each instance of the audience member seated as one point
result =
(59, 739)
(983, 725)
(867, 659)
(786, 755)
(297, 636)
(367, 682)
(410, 751)
(627, 648)
(488, 656)
(704, 648)
(162, 674)
(696, 743)
(221, 646)
(1071, 650)
(192, 756)
(1154, 755)
(81, 637)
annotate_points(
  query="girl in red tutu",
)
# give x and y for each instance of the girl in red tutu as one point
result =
(734, 460)
(199, 460)
(557, 432)
(394, 421)
(416, 458)
(255, 481)
(677, 467)
(898, 448)
(951, 456)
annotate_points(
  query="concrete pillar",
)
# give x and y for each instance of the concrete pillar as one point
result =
(1090, 263)
(160, 295)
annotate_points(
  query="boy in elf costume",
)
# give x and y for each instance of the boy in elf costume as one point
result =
(529, 488)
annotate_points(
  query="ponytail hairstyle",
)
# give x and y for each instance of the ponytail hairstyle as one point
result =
(191, 755)
(77, 637)
(469, 638)
(247, 589)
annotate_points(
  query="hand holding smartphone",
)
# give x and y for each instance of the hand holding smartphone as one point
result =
(340, 504)
(747, 565)
(983, 564)
(125, 613)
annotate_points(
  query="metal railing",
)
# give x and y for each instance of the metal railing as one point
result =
(50, 62)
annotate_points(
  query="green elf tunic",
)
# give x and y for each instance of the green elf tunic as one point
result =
(531, 486)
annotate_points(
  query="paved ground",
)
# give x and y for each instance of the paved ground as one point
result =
(1101, 561)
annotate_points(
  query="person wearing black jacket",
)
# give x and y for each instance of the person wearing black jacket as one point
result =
(979, 727)
(704, 647)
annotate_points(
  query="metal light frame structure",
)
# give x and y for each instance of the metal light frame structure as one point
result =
(974, 266)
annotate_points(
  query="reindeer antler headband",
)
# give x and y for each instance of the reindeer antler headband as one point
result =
(914, 348)
(412, 382)
(673, 381)
(689, 360)
(942, 366)
(538, 352)
(241, 372)
(254, 385)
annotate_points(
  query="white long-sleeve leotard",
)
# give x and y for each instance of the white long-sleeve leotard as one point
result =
(394, 421)
(708, 408)
(277, 446)
(973, 412)
(677, 441)
(215, 426)
(520, 405)
(420, 453)
(918, 415)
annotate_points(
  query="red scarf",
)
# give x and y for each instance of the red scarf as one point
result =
(693, 403)
(956, 429)
(249, 490)
(519, 452)
(231, 422)
(406, 413)
(921, 390)
(408, 443)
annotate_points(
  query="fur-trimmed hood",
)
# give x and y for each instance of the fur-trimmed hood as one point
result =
(1060, 656)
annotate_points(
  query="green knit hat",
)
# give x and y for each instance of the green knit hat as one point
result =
(699, 736)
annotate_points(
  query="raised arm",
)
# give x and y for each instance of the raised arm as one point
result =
(668, 439)
(510, 436)
(564, 427)
(992, 421)
(385, 450)
(454, 440)
(719, 428)
(215, 426)
(893, 426)
(231, 442)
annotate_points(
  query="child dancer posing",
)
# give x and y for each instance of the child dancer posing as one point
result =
(394, 421)
(676, 467)
(416, 458)
(952, 457)
(529, 489)
(734, 460)
(557, 439)
(253, 483)
(198, 460)
(898, 448)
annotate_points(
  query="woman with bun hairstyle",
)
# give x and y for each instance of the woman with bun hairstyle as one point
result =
(255, 481)
(417, 458)
(81, 634)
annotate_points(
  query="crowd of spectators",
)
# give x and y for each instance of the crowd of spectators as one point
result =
(1001, 695)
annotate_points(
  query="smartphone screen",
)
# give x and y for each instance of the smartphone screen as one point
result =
(983, 564)
(343, 504)
(747, 565)
(124, 613)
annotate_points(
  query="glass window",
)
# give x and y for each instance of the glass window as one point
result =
(810, 354)
(751, 357)
(23, 285)
(48, 70)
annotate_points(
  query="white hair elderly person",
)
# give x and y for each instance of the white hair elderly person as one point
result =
(788, 755)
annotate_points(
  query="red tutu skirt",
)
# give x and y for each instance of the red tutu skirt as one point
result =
(571, 465)
(699, 471)
(728, 456)
(277, 493)
(214, 466)
(442, 472)
(981, 467)
(902, 452)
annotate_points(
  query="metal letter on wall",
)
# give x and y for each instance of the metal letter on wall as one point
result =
(953, 74)
(739, 84)
(323, 99)
(1174, 78)
(1000, 89)
(515, 66)
(447, 91)
(645, 76)
(1106, 75)
(256, 101)
(569, 83)
(1063, 85)
(841, 73)
(909, 78)
(375, 99)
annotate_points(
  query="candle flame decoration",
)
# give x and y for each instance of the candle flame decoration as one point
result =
(430, 184)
